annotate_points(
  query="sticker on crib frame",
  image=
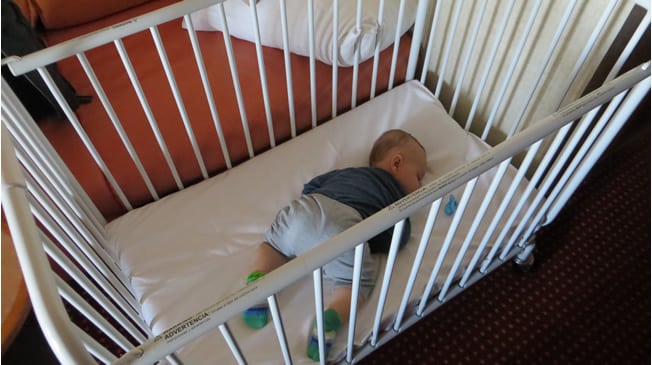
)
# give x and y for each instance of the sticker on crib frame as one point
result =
(441, 183)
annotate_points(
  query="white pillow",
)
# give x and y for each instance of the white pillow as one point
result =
(269, 14)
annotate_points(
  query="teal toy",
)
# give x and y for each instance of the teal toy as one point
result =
(451, 206)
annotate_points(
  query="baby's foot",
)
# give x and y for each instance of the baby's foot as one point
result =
(256, 316)
(332, 324)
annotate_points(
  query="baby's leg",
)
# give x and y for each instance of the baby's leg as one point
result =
(335, 315)
(266, 259)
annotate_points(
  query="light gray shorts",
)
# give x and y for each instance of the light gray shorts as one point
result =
(313, 219)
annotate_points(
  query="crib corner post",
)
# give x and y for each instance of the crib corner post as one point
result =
(524, 261)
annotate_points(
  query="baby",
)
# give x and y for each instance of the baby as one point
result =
(331, 203)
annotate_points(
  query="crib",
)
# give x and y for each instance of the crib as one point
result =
(139, 211)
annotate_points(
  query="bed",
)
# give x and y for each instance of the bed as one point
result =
(165, 271)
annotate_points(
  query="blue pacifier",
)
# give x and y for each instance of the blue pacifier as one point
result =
(451, 206)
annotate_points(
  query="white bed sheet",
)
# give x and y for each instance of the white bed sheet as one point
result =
(186, 251)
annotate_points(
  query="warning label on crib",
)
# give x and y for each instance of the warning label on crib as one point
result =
(185, 326)
(459, 176)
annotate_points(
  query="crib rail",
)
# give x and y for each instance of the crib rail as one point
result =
(431, 194)
(47, 209)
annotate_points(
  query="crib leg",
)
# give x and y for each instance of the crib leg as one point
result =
(524, 261)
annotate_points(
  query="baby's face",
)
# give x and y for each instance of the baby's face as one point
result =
(412, 169)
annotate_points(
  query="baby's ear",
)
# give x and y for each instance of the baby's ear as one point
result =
(397, 160)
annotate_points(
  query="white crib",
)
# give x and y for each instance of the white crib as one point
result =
(510, 99)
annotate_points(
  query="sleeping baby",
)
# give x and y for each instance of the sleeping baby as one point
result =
(329, 204)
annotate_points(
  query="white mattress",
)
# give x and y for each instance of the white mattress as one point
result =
(187, 250)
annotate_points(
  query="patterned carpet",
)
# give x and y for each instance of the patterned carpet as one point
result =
(587, 301)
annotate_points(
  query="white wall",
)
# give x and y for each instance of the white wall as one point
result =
(556, 77)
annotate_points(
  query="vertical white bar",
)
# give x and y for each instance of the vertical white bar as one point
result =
(447, 48)
(416, 264)
(95, 348)
(568, 188)
(467, 57)
(510, 71)
(110, 287)
(91, 290)
(233, 345)
(443, 251)
(417, 36)
(288, 68)
(280, 331)
(72, 118)
(387, 277)
(551, 50)
(43, 293)
(160, 47)
(374, 72)
(208, 90)
(431, 40)
(236, 80)
(488, 65)
(568, 171)
(356, 56)
(261, 71)
(397, 43)
(25, 132)
(99, 90)
(319, 313)
(485, 204)
(467, 241)
(313, 72)
(355, 292)
(550, 154)
(581, 60)
(92, 315)
(124, 56)
(32, 161)
(336, 56)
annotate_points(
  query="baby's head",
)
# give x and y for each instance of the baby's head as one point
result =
(400, 154)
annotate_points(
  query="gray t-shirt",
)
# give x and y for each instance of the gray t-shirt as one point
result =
(367, 190)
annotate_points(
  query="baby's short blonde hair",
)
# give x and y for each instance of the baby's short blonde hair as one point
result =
(388, 140)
